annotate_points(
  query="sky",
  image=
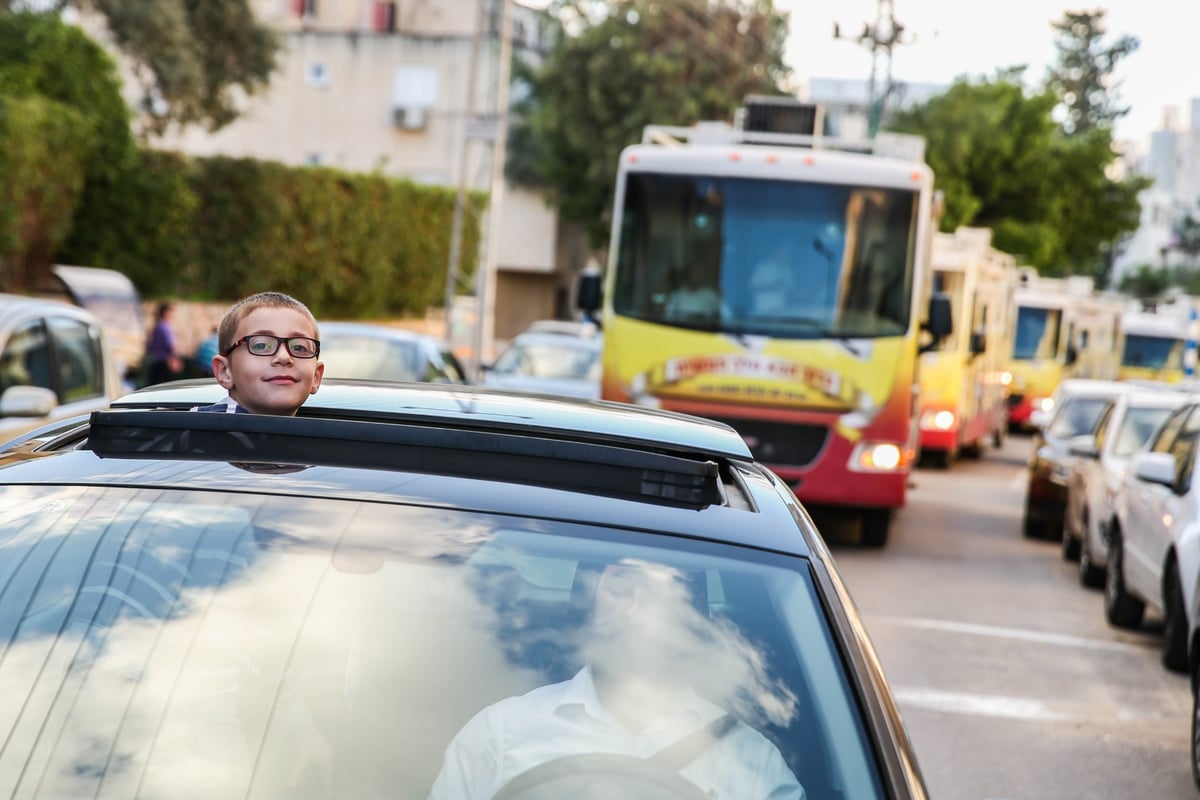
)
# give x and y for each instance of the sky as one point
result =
(948, 38)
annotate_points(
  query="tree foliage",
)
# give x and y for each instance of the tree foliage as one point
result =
(1004, 163)
(66, 132)
(192, 58)
(1083, 75)
(619, 66)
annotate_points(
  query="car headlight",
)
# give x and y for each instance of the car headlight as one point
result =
(938, 420)
(877, 457)
(1044, 404)
(1060, 473)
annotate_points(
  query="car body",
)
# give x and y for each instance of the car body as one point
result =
(366, 351)
(551, 357)
(227, 605)
(1154, 540)
(1125, 426)
(55, 363)
(1075, 408)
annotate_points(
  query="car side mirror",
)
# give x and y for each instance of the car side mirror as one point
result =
(1083, 446)
(1154, 468)
(978, 343)
(27, 401)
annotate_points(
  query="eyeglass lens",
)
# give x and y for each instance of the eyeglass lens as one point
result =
(266, 345)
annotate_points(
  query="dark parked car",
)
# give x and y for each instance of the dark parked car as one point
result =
(1076, 407)
(342, 603)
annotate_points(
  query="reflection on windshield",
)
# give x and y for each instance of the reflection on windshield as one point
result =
(1152, 352)
(162, 644)
(766, 257)
(1077, 416)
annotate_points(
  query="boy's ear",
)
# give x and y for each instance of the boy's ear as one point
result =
(317, 377)
(222, 372)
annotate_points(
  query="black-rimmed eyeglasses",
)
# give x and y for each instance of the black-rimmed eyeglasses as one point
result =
(264, 344)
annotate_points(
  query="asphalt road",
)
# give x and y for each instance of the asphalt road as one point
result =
(1011, 682)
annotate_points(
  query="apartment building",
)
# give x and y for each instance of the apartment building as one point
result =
(388, 86)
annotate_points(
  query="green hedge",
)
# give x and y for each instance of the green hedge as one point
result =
(347, 244)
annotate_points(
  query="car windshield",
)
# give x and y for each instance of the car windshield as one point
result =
(369, 358)
(1137, 427)
(1077, 416)
(572, 360)
(258, 646)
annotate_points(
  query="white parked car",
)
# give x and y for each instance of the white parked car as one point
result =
(1101, 458)
(551, 357)
(1154, 542)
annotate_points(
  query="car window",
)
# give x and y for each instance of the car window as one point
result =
(1076, 416)
(1137, 426)
(352, 642)
(26, 358)
(1166, 434)
(1183, 446)
(547, 360)
(80, 358)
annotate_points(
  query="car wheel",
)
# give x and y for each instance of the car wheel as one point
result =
(1122, 609)
(1032, 528)
(1174, 655)
(1089, 573)
(874, 524)
(1070, 544)
(1196, 726)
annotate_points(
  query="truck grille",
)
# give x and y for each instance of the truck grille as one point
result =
(780, 443)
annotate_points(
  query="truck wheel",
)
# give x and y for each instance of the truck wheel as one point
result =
(873, 526)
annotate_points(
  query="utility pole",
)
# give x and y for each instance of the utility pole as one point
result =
(880, 38)
(485, 285)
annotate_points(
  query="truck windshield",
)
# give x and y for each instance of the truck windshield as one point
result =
(766, 257)
(1155, 352)
(1037, 333)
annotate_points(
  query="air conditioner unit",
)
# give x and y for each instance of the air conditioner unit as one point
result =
(410, 118)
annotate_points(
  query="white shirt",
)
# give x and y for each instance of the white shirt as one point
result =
(688, 302)
(563, 719)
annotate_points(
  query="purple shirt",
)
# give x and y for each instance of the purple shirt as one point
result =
(162, 342)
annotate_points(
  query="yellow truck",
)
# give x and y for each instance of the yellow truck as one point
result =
(1063, 329)
(1153, 341)
(963, 393)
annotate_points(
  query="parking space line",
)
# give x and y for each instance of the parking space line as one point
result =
(1021, 634)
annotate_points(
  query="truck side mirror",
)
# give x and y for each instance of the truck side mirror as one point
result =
(978, 343)
(940, 322)
(589, 294)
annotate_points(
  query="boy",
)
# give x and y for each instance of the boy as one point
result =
(267, 357)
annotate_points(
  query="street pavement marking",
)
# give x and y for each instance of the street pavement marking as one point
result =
(1040, 637)
(980, 705)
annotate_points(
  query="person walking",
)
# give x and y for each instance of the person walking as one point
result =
(164, 363)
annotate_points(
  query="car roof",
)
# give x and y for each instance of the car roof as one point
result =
(15, 308)
(459, 447)
(1091, 386)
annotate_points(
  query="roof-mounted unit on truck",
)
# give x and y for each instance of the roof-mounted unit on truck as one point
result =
(769, 120)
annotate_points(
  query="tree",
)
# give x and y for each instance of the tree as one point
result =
(1082, 78)
(619, 66)
(191, 57)
(65, 131)
(1004, 163)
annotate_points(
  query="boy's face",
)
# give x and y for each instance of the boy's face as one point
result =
(277, 384)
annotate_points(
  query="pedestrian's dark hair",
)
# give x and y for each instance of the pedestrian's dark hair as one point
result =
(242, 308)
(163, 307)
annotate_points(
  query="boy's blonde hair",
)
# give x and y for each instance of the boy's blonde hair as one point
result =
(242, 308)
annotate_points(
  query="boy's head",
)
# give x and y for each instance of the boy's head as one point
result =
(264, 375)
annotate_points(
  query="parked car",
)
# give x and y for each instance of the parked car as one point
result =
(1125, 425)
(551, 357)
(54, 363)
(366, 351)
(1074, 410)
(227, 605)
(1154, 542)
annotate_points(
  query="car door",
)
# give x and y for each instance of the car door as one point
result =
(1162, 515)
(59, 353)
